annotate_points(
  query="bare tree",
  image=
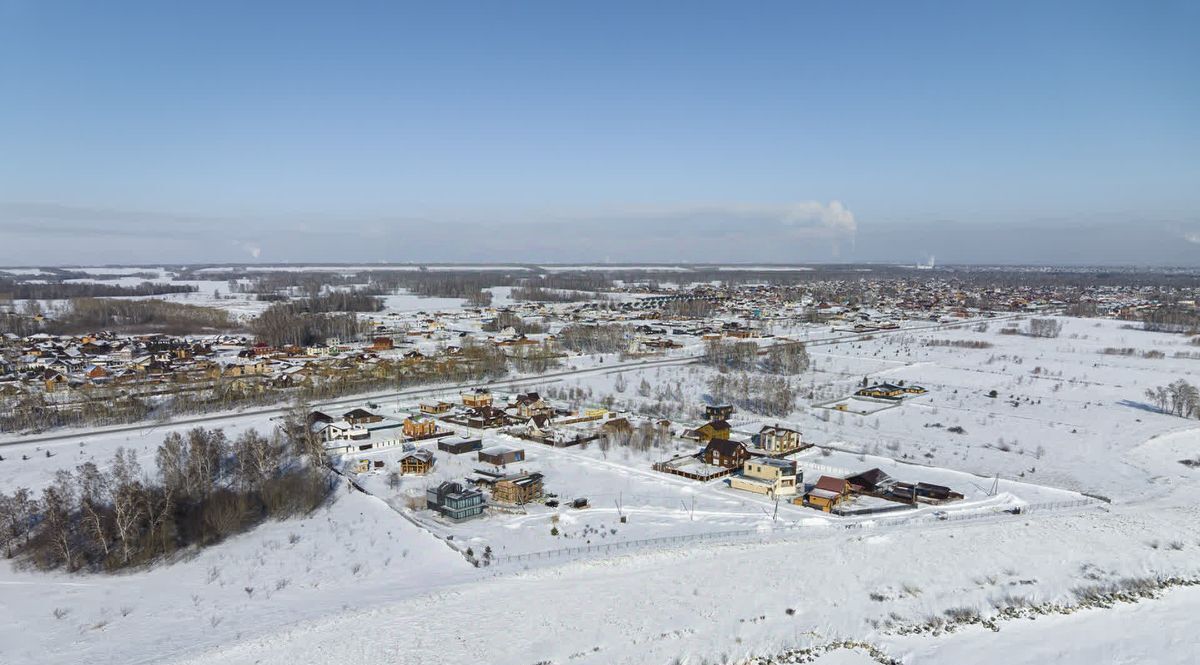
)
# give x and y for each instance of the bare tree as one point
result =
(16, 518)
(95, 495)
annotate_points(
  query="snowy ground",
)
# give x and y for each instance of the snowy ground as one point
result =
(353, 594)
(1161, 632)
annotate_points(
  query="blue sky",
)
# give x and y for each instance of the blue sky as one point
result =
(287, 124)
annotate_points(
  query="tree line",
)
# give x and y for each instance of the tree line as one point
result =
(535, 293)
(91, 314)
(22, 290)
(284, 324)
(1172, 318)
(204, 488)
(591, 338)
(785, 358)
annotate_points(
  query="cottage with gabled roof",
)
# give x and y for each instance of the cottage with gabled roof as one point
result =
(828, 493)
(716, 429)
(361, 417)
(726, 453)
(416, 462)
(776, 439)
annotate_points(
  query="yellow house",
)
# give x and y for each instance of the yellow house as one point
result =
(772, 477)
(716, 429)
(54, 381)
(827, 494)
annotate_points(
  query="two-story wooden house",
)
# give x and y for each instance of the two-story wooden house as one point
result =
(726, 453)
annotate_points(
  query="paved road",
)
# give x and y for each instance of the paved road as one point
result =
(500, 384)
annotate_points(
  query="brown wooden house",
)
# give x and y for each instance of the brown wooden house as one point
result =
(361, 417)
(417, 428)
(726, 453)
(486, 417)
(382, 344)
(416, 462)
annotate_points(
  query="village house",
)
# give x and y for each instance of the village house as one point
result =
(416, 462)
(716, 429)
(477, 398)
(881, 391)
(764, 475)
(486, 417)
(339, 430)
(419, 428)
(454, 502)
(776, 439)
(54, 381)
(435, 408)
(518, 489)
(726, 453)
(361, 417)
(319, 417)
(382, 344)
(530, 405)
(828, 493)
(718, 411)
(872, 481)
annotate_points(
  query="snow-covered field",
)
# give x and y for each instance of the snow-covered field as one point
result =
(363, 584)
